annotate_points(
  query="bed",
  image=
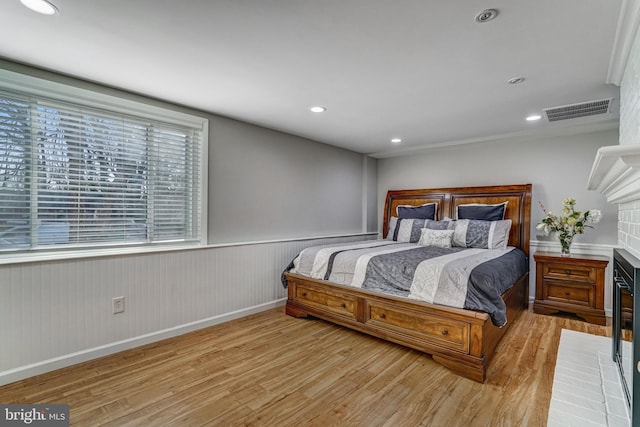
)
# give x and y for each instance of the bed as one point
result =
(461, 339)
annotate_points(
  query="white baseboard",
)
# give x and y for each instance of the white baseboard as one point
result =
(44, 366)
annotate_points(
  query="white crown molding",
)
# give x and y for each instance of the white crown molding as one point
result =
(557, 129)
(626, 30)
(616, 173)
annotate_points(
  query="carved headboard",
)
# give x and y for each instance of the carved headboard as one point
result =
(518, 208)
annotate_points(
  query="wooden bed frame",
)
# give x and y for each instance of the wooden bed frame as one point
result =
(462, 340)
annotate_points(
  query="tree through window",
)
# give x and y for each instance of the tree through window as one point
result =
(72, 175)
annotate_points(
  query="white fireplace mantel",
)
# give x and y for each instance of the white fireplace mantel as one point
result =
(616, 173)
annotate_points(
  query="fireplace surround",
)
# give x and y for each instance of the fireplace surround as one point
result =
(616, 174)
(626, 327)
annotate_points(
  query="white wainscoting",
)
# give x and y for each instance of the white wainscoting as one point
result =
(57, 313)
(576, 248)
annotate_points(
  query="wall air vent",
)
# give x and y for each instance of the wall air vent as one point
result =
(574, 111)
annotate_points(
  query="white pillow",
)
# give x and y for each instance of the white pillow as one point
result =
(439, 238)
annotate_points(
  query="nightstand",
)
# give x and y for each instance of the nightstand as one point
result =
(573, 284)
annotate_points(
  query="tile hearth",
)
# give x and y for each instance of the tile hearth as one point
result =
(586, 386)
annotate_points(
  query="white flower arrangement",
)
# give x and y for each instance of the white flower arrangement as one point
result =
(571, 222)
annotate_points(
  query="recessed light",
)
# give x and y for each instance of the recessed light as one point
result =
(318, 109)
(396, 140)
(41, 6)
(486, 15)
(515, 80)
(534, 117)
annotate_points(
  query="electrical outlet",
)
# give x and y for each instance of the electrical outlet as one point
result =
(118, 305)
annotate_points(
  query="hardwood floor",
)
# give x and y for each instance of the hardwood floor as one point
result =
(270, 369)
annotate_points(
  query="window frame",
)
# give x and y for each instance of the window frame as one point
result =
(111, 100)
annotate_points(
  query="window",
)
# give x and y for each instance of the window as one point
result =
(75, 175)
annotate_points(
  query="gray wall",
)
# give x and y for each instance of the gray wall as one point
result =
(371, 194)
(556, 166)
(265, 184)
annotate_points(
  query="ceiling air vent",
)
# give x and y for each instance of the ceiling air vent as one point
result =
(574, 111)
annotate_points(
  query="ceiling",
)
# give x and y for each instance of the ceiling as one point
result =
(421, 70)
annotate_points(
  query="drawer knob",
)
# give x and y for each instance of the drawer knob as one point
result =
(343, 305)
(382, 315)
(567, 272)
(304, 294)
(567, 293)
(445, 332)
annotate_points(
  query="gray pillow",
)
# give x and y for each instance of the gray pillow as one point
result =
(405, 230)
(471, 233)
(445, 224)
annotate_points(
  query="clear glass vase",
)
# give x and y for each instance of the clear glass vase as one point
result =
(565, 243)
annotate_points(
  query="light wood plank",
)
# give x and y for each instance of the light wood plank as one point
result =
(272, 369)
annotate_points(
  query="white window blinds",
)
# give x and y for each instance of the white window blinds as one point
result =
(73, 175)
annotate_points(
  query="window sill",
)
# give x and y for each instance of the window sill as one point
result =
(19, 258)
(24, 257)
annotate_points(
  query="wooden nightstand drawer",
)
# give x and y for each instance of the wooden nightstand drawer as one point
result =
(563, 292)
(574, 273)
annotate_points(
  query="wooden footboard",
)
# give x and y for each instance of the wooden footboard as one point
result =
(461, 340)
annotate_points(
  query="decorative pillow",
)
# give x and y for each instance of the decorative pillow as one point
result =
(405, 230)
(471, 233)
(439, 238)
(447, 224)
(426, 211)
(481, 211)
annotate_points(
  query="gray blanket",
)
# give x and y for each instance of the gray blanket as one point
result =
(458, 277)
